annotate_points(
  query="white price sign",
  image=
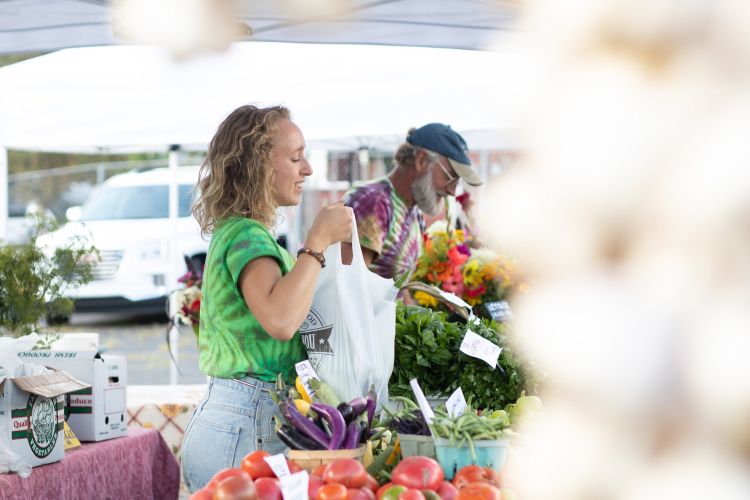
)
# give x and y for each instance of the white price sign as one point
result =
(294, 487)
(422, 401)
(306, 372)
(456, 404)
(278, 465)
(480, 348)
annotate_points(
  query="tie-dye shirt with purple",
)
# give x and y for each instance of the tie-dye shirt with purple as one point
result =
(387, 226)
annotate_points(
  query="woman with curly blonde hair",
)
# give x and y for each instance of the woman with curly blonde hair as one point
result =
(255, 296)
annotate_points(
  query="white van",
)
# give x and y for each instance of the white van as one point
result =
(127, 219)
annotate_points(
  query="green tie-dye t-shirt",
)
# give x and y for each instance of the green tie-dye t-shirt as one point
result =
(232, 343)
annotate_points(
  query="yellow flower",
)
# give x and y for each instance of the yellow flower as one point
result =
(425, 299)
(472, 301)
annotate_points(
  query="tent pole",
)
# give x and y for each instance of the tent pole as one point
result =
(4, 199)
(172, 255)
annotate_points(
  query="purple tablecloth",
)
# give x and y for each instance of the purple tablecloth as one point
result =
(139, 465)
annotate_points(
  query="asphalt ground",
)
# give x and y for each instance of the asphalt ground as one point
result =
(143, 342)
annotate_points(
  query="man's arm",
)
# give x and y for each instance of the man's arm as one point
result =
(346, 254)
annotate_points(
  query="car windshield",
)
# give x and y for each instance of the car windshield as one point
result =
(134, 202)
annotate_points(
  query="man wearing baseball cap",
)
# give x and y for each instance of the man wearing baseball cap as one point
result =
(429, 166)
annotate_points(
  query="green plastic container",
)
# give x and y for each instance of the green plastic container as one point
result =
(412, 445)
(491, 454)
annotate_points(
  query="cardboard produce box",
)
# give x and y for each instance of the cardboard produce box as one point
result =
(99, 412)
(32, 415)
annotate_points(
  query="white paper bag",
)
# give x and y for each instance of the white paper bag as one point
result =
(350, 329)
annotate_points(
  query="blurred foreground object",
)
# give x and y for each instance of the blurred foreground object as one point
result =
(631, 212)
(182, 26)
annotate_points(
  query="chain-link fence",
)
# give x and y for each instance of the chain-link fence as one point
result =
(58, 189)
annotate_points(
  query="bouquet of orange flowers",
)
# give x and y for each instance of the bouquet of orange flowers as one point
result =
(475, 275)
(441, 262)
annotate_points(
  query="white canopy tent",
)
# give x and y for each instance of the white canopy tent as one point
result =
(138, 97)
(45, 25)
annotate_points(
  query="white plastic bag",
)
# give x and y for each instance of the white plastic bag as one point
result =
(350, 329)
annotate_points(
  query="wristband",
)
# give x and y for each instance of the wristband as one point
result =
(318, 255)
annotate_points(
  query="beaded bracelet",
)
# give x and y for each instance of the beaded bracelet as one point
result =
(318, 255)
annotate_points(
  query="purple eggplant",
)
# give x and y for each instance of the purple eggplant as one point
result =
(335, 420)
(355, 434)
(346, 411)
(362, 426)
(295, 440)
(358, 406)
(307, 427)
(351, 437)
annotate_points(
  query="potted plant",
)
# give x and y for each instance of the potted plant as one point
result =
(36, 280)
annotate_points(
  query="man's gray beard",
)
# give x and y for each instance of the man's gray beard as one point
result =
(425, 195)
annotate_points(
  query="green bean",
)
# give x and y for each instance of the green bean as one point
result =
(408, 403)
(471, 448)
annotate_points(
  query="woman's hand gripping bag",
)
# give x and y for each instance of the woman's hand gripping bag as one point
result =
(350, 329)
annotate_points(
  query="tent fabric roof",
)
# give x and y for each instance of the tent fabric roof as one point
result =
(46, 25)
(137, 97)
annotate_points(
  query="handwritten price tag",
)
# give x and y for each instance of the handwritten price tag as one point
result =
(456, 404)
(306, 372)
(422, 401)
(481, 348)
(294, 487)
(278, 465)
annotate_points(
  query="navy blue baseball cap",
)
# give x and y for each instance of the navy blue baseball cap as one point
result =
(443, 140)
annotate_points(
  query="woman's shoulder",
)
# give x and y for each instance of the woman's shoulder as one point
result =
(240, 228)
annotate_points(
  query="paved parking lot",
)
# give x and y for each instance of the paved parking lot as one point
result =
(143, 341)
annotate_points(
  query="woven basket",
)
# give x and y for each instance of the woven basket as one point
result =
(308, 460)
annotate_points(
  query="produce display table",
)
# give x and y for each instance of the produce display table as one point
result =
(166, 408)
(139, 465)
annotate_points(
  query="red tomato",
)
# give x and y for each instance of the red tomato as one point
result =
(203, 494)
(447, 491)
(372, 483)
(268, 488)
(236, 488)
(474, 474)
(411, 494)
(223, 474)
(331, 491)
(346, 471)
(479, 491)
(313, 486)
(254, 464)
(359, 494)
(420, 473)
(293, 466)
(382, 489)
(319, 471)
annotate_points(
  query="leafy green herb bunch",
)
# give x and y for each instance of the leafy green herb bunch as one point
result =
(428, 348)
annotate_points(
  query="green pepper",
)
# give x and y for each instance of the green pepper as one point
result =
(393, 492)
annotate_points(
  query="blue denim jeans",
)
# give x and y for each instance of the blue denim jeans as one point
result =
(234, 418)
